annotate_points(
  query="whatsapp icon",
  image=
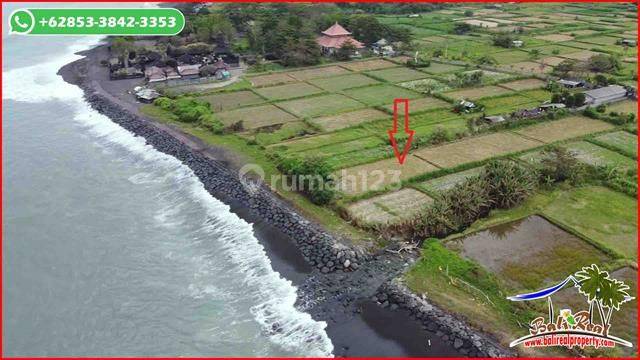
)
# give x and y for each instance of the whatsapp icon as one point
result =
(21, 21)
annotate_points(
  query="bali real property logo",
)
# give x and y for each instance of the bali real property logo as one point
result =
(584, 328)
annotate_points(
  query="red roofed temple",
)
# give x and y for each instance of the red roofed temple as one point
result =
(334, 37)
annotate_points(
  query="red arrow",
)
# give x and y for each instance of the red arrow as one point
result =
(409, 132)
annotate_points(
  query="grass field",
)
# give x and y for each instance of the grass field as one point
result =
(256, 116)
(226, 101)
(288, 91)
(625, 142)
(348, 119)
(320, 105)
(380, 94)
(511, 56)
(566, 128)
(337, 83)
(398, 74)
(507, 104)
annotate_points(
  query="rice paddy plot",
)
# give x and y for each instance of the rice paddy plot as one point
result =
(256, 116)
(425, 86)
(298, 145)
(511, 56)
(595, 155)
(380, 174)
(551, 60)
(288, 91)
(439, 68)
(348, 119)
(231, 100)
(319, 72)
(601, 214)
(579, 33)
(474, 149)
(621, 140)
(453, 126)
(528, 254)
(567, 128)
(524, 84)
(368, 65)
(344, 147)
(398, 74)
(580, 55)
(285, 131)
(320, 105)
(389, 208)
(380, 94)
(554, 49)
(527, 67)
(540, 95)
(600, 40)
(507, 104)
(555, 37)
(477, 93)
(270, 79)
(481, 23)
(337, 83)
(448, 182)
(422, 104)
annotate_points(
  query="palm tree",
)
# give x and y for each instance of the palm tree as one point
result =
(603, 292)
(590, 282)
(612, 295)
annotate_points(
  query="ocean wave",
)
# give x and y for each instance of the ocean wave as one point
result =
(275, 311)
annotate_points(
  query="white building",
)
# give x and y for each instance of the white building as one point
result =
(605, 95)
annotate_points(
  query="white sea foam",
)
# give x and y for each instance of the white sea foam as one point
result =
(285, 326)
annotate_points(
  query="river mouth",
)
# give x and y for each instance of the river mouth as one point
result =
(529, 253)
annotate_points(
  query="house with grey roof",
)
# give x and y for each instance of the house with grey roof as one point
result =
(605, 95)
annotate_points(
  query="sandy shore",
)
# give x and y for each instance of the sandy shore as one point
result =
(357, 326)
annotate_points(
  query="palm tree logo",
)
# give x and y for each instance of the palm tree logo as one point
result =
(604, 295)
(602, 292)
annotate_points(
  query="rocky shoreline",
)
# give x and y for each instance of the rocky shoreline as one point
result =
(454, 332)
(344, 277)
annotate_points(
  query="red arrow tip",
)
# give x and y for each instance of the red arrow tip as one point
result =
(407, 146)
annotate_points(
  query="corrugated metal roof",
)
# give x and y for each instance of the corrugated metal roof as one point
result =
(611, 90)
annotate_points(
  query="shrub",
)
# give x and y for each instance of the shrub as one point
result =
(164, 103)
(210, 122)
(509, 183)
(559, 164)
(313, 177)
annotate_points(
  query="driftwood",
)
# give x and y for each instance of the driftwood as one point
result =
(405, 247)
